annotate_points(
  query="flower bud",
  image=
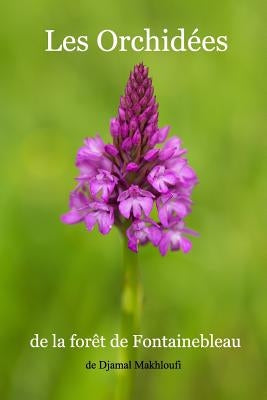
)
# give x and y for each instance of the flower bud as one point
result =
(132, 167)
(111, 150)
(133, 124)
(114, 127)
(122, 114)
(124, 130)
(151, 154)
(136, 137)
(127, 144)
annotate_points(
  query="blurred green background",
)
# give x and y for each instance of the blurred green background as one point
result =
(57, 278)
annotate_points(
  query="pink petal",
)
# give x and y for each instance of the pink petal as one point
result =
(170, 178)
(104, 223)
(180, 209)
(90, 221)
(161, 186)
(163, 133)
(163, 215)
(186, 245)
(164, 245)
(147, 204)
(137, 211)
(125, 207)
(155, 235)
(132, 245)
(71, 217)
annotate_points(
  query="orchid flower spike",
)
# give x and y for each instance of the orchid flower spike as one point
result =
(121, 182)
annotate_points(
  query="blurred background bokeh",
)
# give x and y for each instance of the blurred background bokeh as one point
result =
(57, 278)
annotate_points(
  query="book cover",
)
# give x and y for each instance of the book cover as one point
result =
(133, 222)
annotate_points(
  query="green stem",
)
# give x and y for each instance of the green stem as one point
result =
(131, 304)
